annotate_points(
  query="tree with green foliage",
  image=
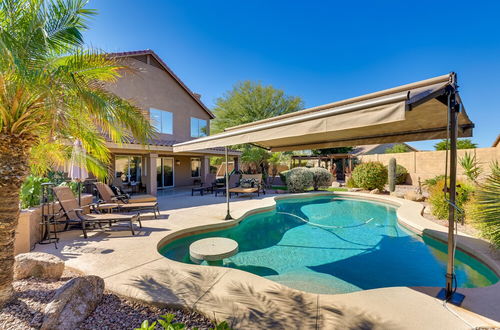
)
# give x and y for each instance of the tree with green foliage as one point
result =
(397, 148)
(461, 144)
(51, 93)
(331, 151)
(249, 101)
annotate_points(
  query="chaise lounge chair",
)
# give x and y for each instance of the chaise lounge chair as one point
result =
(249, 184)
(74, 213)
(108, 196)
(136, 198)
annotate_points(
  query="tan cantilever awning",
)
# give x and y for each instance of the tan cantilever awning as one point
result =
(411, 112)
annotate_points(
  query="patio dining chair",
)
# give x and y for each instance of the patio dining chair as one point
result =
(108, 196)
(74, 213)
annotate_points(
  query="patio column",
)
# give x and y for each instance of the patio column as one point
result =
(205, 167)
(236, 163)
(151, 186)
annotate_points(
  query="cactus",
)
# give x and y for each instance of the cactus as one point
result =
(392, 174)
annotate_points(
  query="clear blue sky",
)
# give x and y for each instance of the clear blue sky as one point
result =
(322, 51)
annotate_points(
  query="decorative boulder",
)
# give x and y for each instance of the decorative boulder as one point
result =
(38, 264)
(335, 184)
(73, 303)
(375, 191)
(414, 196)
(354, 189)
(397, 194)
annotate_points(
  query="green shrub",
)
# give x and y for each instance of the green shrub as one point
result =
(438, 201)
(321, 177)
(401, 174)
(31, 191)
(299, 179)
(429, 183)
(370, 175)
(166, 322)
(350, 183)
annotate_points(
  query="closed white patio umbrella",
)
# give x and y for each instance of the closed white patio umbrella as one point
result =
(77, 169)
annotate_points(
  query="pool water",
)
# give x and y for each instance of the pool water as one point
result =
(333, 245)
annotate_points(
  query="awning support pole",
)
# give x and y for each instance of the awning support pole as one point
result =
(228, 215)
(453, 109)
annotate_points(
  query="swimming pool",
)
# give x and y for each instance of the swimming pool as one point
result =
(332, 245)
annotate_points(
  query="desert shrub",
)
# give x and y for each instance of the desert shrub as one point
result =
(370, 175)
(401, 174)
(429, 183)
(299, 179)
(321, 177)
(439, 203)
(350, 183)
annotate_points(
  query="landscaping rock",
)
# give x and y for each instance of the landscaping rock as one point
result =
(73, 303)
(38, 264)
(335, 184)
(414, 196)
(375, 191)
(354, 189)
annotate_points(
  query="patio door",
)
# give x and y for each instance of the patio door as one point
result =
(165, 172)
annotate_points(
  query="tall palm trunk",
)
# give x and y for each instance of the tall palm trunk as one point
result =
(14, 152)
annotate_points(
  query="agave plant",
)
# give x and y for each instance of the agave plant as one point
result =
(470, 166)
(487, 209)
(52, 91)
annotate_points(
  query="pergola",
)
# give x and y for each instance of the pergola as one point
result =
(424, 110)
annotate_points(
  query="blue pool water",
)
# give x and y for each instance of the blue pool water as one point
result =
(330, 245)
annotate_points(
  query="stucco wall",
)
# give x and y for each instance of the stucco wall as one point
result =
(151, 87)
(428, 164)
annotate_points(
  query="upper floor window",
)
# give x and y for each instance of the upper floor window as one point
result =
(161, 120)
(199, 127)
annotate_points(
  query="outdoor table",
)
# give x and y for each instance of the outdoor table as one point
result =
(213, 250)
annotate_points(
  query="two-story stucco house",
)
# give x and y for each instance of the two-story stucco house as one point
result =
(178, 115)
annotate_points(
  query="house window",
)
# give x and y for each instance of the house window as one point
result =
(195, 167)
(161, 120)
(198, 127)
(128, 168)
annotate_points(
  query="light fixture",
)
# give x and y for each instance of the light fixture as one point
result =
(178, 162)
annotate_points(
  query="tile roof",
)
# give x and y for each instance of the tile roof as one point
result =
(167, 68)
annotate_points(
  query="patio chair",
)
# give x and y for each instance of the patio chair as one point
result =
(233, 181)
(108, 196)
(74, 213)
(120, 192)
(206, 185)
(249, 184)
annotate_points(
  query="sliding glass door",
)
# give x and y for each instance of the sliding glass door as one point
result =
(165, 172)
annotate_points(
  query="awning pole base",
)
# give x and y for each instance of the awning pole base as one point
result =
(228, 216)
(454, 298)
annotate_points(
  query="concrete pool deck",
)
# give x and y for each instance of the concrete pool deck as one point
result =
(132, 266)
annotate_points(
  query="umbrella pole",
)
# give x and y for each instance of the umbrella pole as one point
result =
(228, 215)
(79, 193)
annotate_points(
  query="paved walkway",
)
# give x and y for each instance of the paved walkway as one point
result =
(131, 266)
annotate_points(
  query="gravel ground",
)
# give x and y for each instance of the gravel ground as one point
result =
(113, 312)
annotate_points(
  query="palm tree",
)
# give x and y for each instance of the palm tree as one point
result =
(52, 92)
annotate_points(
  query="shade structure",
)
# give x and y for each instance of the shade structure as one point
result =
(412, 112)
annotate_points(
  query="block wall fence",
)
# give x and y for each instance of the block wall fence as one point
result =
(428, 164)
